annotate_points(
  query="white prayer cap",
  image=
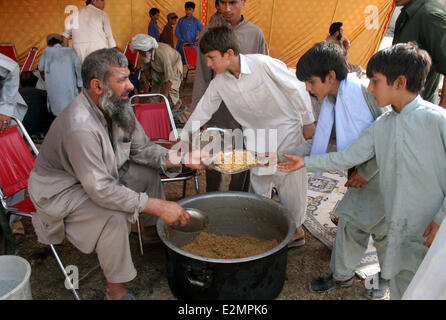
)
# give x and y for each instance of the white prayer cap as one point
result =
(143, 42)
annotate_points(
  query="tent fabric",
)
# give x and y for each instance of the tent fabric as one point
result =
(291, 27)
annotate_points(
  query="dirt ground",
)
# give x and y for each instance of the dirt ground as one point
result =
(47, 282)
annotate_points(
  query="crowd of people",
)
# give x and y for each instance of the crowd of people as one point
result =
(97, 172)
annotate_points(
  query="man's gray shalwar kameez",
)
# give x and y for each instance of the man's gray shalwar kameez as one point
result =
(83, 185)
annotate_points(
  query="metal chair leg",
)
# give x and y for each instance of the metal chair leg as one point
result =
(138, 225)
(185, 79)
(197, 185)
(8, 238)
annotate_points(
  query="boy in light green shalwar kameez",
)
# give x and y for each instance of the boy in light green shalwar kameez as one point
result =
(409, 143)
(347, 109)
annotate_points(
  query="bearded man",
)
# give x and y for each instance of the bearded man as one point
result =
(97, 171)
(162, 64)
(337, 37)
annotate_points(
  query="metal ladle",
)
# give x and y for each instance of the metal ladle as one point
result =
(198, 221)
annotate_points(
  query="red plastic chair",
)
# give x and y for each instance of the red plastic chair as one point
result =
(131, 56)
(190, 54)
(8, 49)
(158, 124)
(16, 163)
(29, 62)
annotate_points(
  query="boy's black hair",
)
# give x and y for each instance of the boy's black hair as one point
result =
(335, 26)
(54, 41)
(221, 39)
(153, 11)
(28, 79)
(320, 60)
(402, 59)
(189, 4)
(87, 2)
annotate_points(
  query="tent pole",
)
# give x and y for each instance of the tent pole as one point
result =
(271, 25)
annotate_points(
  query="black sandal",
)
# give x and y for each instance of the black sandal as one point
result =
(325, 284)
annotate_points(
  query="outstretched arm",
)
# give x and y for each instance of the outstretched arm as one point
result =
(362, 150)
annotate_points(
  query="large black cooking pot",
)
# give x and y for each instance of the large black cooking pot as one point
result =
(234, 214)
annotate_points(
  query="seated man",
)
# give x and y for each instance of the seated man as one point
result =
(163, 65)
(97, 171)
(11, 105)
(337, 37)
(37, 120)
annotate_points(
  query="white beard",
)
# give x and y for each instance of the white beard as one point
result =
(147, 59)
(120, 111)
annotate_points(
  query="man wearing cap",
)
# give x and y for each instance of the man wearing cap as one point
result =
(164, 65)
(61, 69)
(167, 34)
(90, 30)
(11, 102)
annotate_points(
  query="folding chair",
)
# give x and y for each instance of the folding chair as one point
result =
(16, 163)
(157, 122)
(190, 54)
(29, 62)
(8, 49)
(131, 56)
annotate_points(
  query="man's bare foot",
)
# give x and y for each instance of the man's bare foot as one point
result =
(299, 233)
(116, 291)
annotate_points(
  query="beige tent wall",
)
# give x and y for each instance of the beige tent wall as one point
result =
(291, 27)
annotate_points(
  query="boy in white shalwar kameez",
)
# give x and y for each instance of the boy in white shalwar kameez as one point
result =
(409, 143)
(260, 93)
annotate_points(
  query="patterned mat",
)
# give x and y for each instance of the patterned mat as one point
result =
(324, 194)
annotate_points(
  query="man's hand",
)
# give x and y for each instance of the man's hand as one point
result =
(5, 122)
(356, 181)
(270, 156)
(443, 101)
(170, 212)
(166, 89)
(193, 159)
(430, 233)
(295, 163)
(308, 131)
